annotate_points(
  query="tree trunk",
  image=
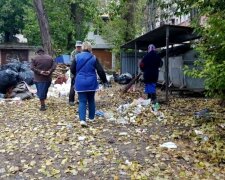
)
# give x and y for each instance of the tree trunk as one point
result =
(151, 19)
(77, 16)
(44, 26)
(128, 15)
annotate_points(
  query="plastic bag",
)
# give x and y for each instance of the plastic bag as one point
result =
(14, 66)
(25, 66)
(8, 78)
(27, 76)
(124, 78)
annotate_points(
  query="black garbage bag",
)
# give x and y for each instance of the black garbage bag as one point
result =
(204, 114)
(124, 78)
(21, 91)
(27, 76)
(14, 66)
(25, 66)
(116, 77)
(8, 78)
(2, 96)
(24, 95)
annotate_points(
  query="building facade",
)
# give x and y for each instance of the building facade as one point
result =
(101, 49)
(15, 51)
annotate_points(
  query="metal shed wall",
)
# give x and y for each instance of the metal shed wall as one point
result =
(176, 73)
(192, 83)
(128, 62)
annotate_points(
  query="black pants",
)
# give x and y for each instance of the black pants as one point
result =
(152, 97)
(72, 92)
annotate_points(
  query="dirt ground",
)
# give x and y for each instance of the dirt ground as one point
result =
(122, 145)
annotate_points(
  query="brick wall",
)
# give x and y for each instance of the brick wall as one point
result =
(104, 56)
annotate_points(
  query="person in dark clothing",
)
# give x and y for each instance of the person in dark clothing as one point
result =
(72, 57)
(84, 68)
(150, 66)
(43, 65)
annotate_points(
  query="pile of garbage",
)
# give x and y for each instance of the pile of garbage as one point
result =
(128, 113)
(12, 75)
(61, 69)
(61, 84)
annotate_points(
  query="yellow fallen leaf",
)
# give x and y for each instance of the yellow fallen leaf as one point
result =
(13, 169)
(64, 161)
(48, 162)
(54, 171)
(201, 164)
(74, 172)
(32, 163)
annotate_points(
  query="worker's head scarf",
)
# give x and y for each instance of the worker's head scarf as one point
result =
(151, 47)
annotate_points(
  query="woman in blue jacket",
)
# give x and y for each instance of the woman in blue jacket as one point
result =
(84, 68)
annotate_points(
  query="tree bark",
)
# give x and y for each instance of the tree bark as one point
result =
(77, 16)
(44, 26)
(151, 18)
(128, 15)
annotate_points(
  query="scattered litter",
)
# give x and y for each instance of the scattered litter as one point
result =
(123, 108)
(132, 119)
(123, 133)
(109, 116)
(61, 124)
(2, 170)
(205, 138)
(124, 78)
(169, 145)
(59, 90)
(122, 172)
(201, 135)
(141, 101)
(222, 126)
(69, 126)
(141, 130)
(109, 77)
(155, 107)
(198, 132)
(138, 109)
(204, 113)
(161, 116)
(81, 138)
(99, 113)
(111, 141)
(128, 162)
(121, 120)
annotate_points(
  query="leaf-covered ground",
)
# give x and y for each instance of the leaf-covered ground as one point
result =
(51, 144)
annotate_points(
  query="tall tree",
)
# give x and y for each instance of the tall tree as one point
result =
(82, 14)
(11, 18)
(128, 14)
(211, 46)
(125, 21)
(68, 20)
(44, 26)
(151, 14)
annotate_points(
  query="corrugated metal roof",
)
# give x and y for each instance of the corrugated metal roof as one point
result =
(17, 46)
(177, 34)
